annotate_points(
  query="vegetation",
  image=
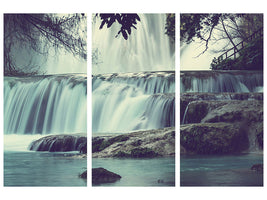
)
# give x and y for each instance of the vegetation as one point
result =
(39, 34)
(250, 58)
(212, 28)
(170, 26)
(127, 21)
(229, 30)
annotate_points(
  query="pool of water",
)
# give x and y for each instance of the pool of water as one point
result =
(139, 172)
(25, 168)
(231, 170)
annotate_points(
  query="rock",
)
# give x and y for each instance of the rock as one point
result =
(224, 111)
(234, 111)
(101, 175)
(83, 175)
(137, 153)
(140, 144)
(257, 168)
(60, 143)
(213, 138)
(186, 98)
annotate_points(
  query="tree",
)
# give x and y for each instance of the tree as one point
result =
(41, 33)
(127, 22)
(230, 28)
(170, 26)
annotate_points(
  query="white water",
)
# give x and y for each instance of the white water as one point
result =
(127, 103)
(221, 81)
(15, 142)
(38, 105)
(147, 48)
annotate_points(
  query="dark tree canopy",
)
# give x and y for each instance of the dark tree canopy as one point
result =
(231, 27)
(41, 33)
(170, 26)
(127, 21)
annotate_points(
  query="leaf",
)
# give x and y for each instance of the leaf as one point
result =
(112, 20)
(118, 17)
(129, 30)
(138, 18)
(102, 24)
(124, 34)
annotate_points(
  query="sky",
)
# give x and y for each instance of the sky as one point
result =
(191, 60)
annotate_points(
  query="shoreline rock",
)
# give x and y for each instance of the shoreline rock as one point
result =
(212, 138)
(140, 144)
(60, 143)
(257, 168)
(101, 175)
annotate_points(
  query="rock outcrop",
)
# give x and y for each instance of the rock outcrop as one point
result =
(223, 126)
(60, 143)
(213, 138)
(151, 143)
(187, 98)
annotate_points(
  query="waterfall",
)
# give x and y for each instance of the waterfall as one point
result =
(45, 104)
(147, 48)
(221, 81)
(133, 81)
(133, 101)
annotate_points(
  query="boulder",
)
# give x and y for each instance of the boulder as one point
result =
(257, 168)
(202, 111)
(213, 138)
(187, 98)
(60, 143)
(140, 144)
(101, 175)
(83, 175)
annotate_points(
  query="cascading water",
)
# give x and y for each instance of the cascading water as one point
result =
(221, 81)
(147, 48)
(45, 105)
(133, 101)
(134, 81)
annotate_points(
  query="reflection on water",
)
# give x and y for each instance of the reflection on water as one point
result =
(139, 172)
(42, 169)
(231, 170)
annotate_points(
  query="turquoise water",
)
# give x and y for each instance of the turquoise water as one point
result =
(24, 168)
(139, 172)
(231, 170)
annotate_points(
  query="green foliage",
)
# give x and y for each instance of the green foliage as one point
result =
(127, 21)
(250, 58)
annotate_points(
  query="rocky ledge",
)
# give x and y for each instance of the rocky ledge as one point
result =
(213, 138)
(187, 98)
(60, 143)
(222, 127)
(141, 144)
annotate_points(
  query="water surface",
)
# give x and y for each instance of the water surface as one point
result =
(22, 168)
(139, 172)
(231, 170)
